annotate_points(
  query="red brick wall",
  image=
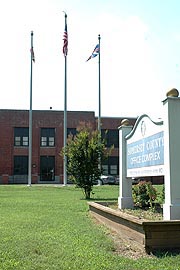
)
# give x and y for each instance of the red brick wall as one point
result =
(9, 119)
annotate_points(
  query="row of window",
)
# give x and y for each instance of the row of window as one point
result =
(47, 136)
(21, 137)
(47, 166)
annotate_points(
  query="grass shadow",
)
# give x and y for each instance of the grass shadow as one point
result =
(103, 199)
(164, 253)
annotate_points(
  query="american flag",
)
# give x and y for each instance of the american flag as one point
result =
(94, 53)
(65, 38)
(32, 55)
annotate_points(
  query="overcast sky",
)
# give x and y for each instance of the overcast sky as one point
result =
(140, 54)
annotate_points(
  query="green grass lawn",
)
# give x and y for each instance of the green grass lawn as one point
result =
(49, 228)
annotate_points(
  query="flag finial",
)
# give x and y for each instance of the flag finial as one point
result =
(65, 14)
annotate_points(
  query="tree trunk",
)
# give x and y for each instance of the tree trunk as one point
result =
(87, 193)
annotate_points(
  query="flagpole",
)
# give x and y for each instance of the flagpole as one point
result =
(30, 116)
(99, 115)
(65, 108)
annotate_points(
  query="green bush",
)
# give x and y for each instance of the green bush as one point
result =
(162, 195)
(144, 194)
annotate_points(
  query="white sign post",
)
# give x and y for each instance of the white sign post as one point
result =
(125, 188)
(171, 207)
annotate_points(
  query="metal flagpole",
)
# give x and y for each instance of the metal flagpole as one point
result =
(99, 115)
(96, 52)
(65, 38)
(30, 115)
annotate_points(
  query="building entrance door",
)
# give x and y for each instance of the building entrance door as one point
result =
(47, 168)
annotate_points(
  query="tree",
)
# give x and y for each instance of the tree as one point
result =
(84, 152)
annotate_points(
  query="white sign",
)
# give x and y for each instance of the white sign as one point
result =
(145, 148)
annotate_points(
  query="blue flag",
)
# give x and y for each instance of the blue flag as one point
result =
(95, 52)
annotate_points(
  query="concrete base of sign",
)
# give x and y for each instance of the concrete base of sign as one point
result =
(125, 202)
(171, 212)
(152, 235)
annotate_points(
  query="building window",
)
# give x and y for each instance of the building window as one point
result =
(111, 137)
(105, 169)
(20, 165)
(71, 131)
(111, 166)
(113, 169)
(47, 168)
(21, 136)
(48, 137)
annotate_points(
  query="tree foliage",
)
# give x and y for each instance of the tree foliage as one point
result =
(84, 152)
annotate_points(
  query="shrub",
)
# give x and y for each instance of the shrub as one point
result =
(162, 195)
(144, 194)
(84, 152)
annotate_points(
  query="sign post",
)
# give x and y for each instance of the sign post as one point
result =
(171, 207)
(125, 186)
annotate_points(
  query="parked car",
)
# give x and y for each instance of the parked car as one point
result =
(107, 180)
(117, 181)
(136, 180)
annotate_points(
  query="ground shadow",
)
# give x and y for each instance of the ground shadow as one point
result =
(166, 253)
(103, 199)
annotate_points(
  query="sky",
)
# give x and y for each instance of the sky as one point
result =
(140, 55)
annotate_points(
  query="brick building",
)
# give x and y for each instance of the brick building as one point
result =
(47, 143)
